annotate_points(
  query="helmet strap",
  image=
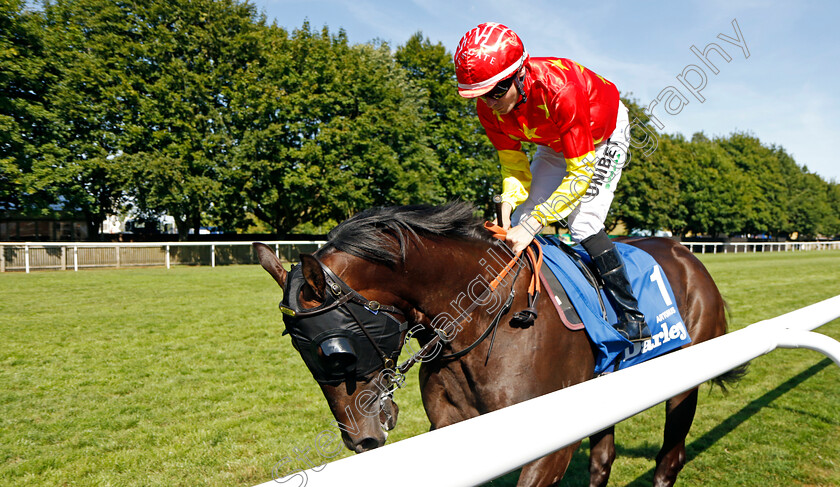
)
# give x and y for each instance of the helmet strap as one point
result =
(520, 87)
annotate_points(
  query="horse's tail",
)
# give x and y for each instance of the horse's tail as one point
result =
(731, 377)
(736, 374)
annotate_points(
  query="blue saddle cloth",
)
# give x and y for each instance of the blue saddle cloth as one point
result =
(656, 301)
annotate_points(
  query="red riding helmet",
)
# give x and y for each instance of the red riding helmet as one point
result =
(486, 55)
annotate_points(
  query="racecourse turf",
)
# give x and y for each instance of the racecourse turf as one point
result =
(155, 377)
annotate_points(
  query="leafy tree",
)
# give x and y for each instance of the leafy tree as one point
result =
(142, 99)
(24, 121)
(180, 139)
(833, 197)
(809, 206)
(86, 42)
(333, 129)
(791, 205)
(764, 188)
(468, 163)
(710, 193)
(647, 195)
(199, 109)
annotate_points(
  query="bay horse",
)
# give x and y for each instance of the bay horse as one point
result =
(403, 268)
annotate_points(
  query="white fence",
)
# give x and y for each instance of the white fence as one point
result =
(736, 247)
(480, 449)
(28, 256)
(79, 255)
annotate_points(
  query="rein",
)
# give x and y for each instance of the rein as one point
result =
(524, 318)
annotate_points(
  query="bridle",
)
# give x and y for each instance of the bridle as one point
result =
(349, 309)
(329, 333)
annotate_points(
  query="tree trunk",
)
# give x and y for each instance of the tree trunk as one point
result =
(93, 223)
(196, 223)
(183, 227)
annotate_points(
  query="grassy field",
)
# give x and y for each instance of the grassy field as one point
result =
(149, 377)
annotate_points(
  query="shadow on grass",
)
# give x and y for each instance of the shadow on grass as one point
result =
(578, 471)
(701, 444)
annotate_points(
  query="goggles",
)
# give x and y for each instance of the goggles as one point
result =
(500, 89)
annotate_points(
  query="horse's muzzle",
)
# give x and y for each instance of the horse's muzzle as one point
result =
(374, 439)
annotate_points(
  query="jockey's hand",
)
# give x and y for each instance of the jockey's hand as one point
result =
(520, 236)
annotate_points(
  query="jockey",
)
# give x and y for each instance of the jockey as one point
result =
(581, 130)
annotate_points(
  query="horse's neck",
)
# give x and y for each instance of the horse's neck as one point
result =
(524, 362)
(449, 280)
(453, 289)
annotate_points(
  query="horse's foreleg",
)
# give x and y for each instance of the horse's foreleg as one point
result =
(548, 470)
(601, 456)
(671, 458)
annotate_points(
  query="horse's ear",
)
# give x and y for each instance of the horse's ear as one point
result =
(314, 275)
(270, 263)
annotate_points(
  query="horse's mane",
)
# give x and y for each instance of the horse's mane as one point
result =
(362, 234)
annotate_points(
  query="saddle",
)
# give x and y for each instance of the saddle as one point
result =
(577, 296)
(651, 288)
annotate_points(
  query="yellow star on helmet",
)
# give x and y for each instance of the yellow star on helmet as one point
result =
(559, 64)
(580, 66)
(529, 133)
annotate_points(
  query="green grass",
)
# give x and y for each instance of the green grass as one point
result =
(147, 377)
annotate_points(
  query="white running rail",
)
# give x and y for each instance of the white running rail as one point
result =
(28, 256)
(493, 444)
(742, 247)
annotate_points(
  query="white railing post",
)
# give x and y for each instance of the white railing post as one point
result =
(26, 257)
(167, 256)
(76, 258)
(212, 256)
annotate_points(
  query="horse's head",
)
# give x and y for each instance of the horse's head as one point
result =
(348, 342)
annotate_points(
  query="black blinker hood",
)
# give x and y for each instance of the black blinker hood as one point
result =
(329, 338)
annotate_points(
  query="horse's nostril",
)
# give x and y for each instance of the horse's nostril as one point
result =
(367, 444)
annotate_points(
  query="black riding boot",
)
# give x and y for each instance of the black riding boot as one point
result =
(631, 322)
